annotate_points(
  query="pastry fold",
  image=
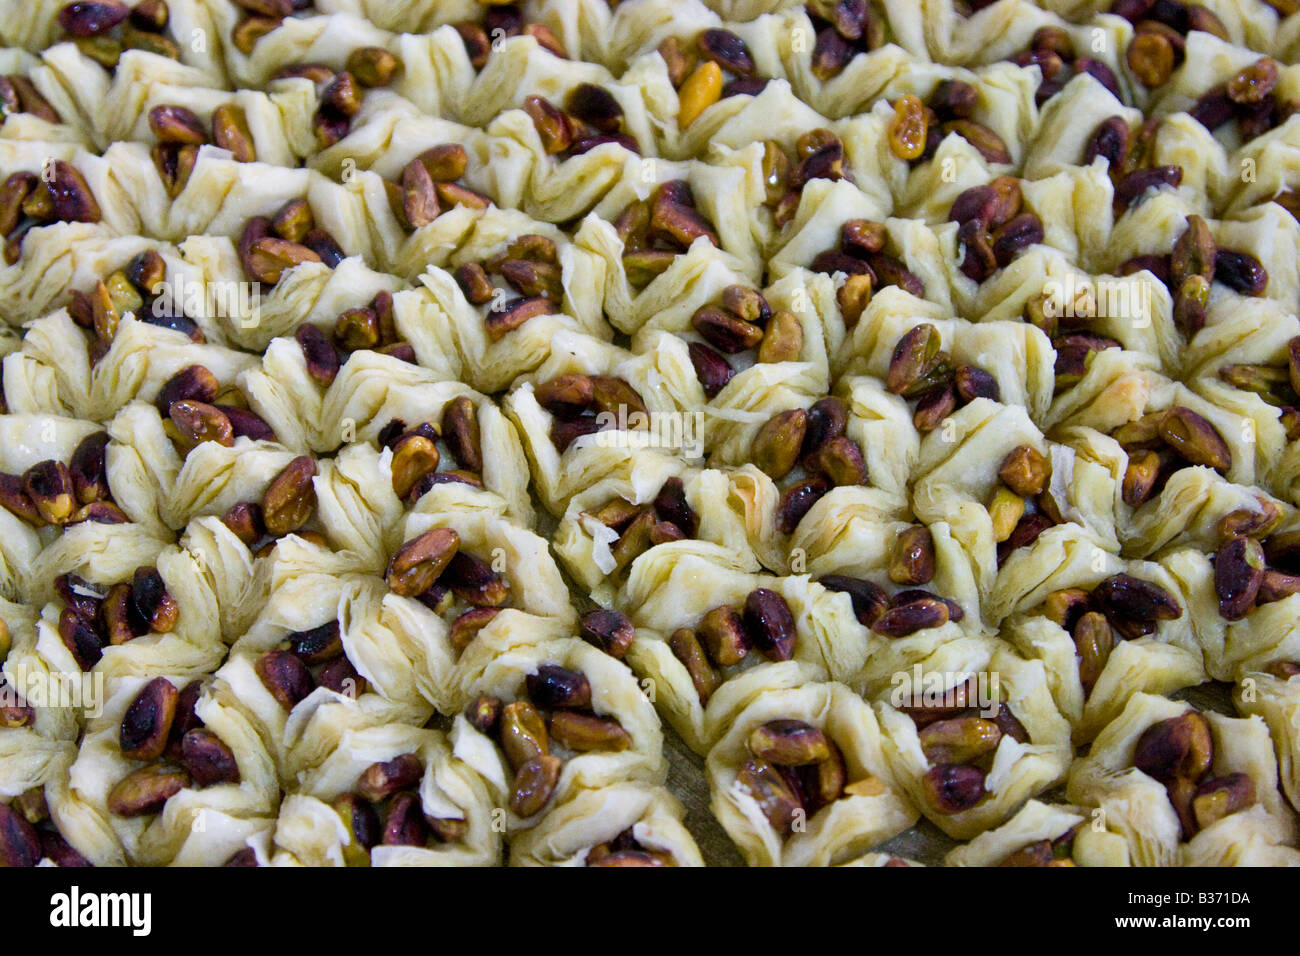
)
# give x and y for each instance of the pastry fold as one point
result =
(1018, 771)
(844, 828)
(1136, 806)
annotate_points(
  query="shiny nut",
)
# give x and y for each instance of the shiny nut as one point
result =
(87, 468)
(151, 601)
(465, 628)
(1179, 747)
(769, 625)
(914, 616)
(555, 687)
(208, 759)
(1025, 470)
(420, 561)
(782, 340)
(712, 370)
(1239, 568)
(405, 824)
(372, 65)
(20, 845)
(869, 600)
(686, 647)
(914, 357)
(176, 124)
(779, 441)
(769, 789)
(1255, 82)
(381, 780)
(912, 562)
(515, 314)
(414, 456)
(523, 733)
(725, 332)
(953, 788)
(607, 629)
(197, 422)
(723, 633)
(484, 714)
(460, 433)
(285, 677)
(269, 258)
(290, 499)
(789, 743)
(145, 790)
(148, 720)
(1222, 796)
(49, 487)
(797, 500)
(535, 782)
(907, 128)
(88, 18)
(586, 732)
(1093, 641)
(698, 92)
(1133, 606)
(553, 126)
(474, 581)
(959, 740)
(230, 131)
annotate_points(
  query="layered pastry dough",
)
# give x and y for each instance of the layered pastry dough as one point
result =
(406, 408)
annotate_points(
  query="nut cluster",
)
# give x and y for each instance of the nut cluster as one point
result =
(576, 402)
(555, 708)
(1278, 385)
(1179, 753)
(1052, 50)
(416, 456)
(993, 228)
(270, 247)
(502, 21)
(917, 128)
(1121, 605)
(741, 322)
(305, 660)
(910, 609)
(797, 769)
(861, 257)
(29, 835)
(921, 370)
(434, 570)
(530, 265)
(668, 517)
(161, 730)
(1163, 442)
(286, 507)
(1255, 566)
(429, 185)
(960, 741)
(384, 808)
(655, 231)
(370, 327)
(724, 637)
(51, 492)
(105, 29)
(94, 617)
(58, 194)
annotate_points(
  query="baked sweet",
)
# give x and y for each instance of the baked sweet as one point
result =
(407, 408)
